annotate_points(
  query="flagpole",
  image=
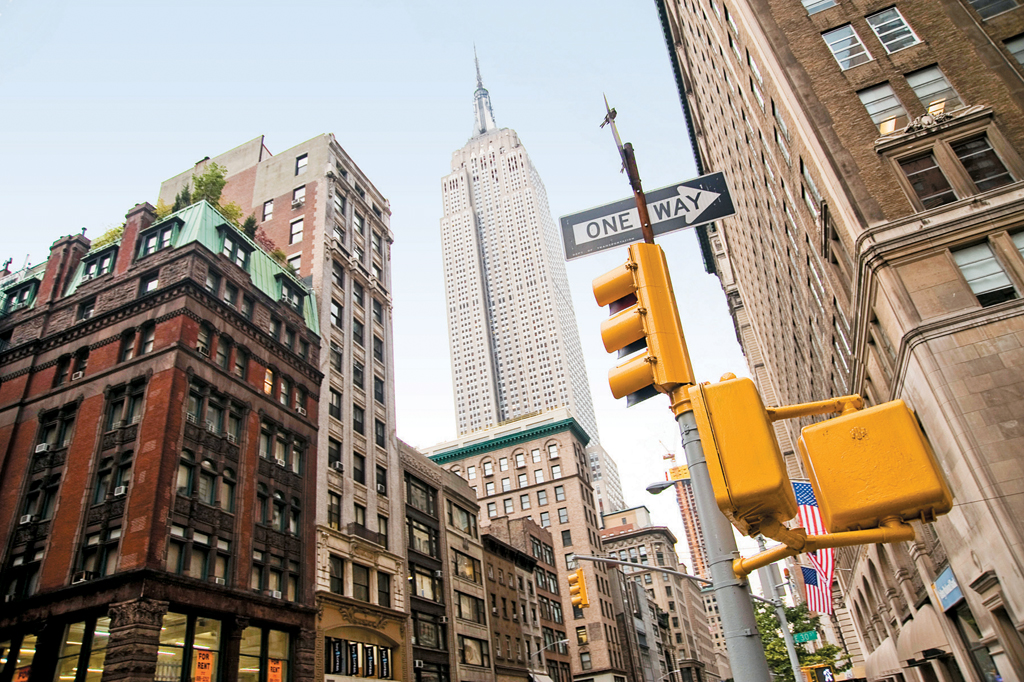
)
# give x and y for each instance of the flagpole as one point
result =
(770, 579)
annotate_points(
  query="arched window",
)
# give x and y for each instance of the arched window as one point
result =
(223, 352)
(268, 381)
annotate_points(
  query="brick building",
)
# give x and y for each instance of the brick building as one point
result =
(537, 468)
(873, 152)
(629, 535)
(332, 224)
(158, 416)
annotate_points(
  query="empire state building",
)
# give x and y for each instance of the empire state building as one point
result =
(515, 345)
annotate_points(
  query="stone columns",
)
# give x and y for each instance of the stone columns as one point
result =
(134, 638)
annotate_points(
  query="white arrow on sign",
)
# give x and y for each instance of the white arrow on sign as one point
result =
(688, 205)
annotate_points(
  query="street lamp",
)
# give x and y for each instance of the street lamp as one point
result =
(656, 488)
(542, 650)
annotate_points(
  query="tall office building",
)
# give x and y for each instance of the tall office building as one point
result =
(873, 153)
(332, 224)
(515, 346)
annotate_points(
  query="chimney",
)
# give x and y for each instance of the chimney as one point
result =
(65, 253)
(137, 219)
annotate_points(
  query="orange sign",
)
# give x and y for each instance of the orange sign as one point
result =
(22, 674)
(680, 473)
(204, 666)
(274, 670)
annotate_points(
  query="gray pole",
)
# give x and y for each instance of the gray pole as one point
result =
(770, 578)
(742, 640)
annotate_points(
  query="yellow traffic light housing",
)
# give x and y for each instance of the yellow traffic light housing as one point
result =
(747, 470)
(873, 464)
(578, 589)
(644, 307)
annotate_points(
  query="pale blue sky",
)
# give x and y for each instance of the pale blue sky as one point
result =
(101, 101)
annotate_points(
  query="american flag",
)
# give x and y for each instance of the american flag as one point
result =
(817, 579)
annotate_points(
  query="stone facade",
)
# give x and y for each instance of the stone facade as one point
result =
(877, 250)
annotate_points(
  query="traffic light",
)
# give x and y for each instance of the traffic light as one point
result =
(578, 589)
(644, 315)
(746, 467)
(869, 465)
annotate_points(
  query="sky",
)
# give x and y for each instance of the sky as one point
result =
(101, 101)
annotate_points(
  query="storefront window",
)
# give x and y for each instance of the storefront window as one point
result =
(188, 643)
(972, 637)
(357, 659)
(267, 650)
(25, 656)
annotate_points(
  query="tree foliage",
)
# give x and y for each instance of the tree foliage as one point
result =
(232, 211)
(265, 242)
(163, 209)
(182, 199)
(108, 237)
(249, 227)
(800, 620)
(209, 184)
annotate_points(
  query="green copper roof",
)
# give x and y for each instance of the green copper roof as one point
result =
(202, 223)
(510, 439)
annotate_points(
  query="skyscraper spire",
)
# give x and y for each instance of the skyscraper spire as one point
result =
(482, 104)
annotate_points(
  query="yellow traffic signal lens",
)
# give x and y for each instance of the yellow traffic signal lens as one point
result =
(612, 286)
(630, 376)
(622, 329)
(578, 589)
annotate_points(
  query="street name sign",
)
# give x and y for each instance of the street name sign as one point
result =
(676, 207)
(808, 636)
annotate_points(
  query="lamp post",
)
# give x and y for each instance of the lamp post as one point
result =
(545, 648)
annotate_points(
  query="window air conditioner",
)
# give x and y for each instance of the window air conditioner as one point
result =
(231, 438)
(382, 489)
(9, 597)
(301, 410)
(276, 594)
(443, 620)
(219, 581)
(211, 427)
(86, 277)
(136, 419)
(42, 447)
(417, 664)
(120, 491)
(203, 349)
(118, 424)
(338, 466)
(438, 574)
(190, 418)
(494, 611)
(297, 203)
(27, 518)
(77, 375)
(280, 462)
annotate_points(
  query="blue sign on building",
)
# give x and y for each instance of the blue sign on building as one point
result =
(948, 590)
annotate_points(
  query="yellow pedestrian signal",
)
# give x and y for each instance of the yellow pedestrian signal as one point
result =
(873, 464)
(747, 470)
(644, 315)
(578, 589)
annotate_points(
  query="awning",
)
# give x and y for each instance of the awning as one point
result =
(922, 638)
(882, 662)
(536, 677)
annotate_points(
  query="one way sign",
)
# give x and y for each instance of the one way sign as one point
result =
(685, 204)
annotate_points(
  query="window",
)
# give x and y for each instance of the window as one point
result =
(300, 164)
(336, 314)
(538, 476)
(379, 435)
(928, 181)
(556, 472)
(503, 464)
(127, 347)
(359, 468)
(378, 390)
(358, 419)
(489, 487)
(981, 163)
(358, 293)
(378, 348)
(360, 582)
(474, 652)
(296, 231)
(377, 243)
(423, 538)
(264, 653)
(466, 567)
(241, 362)
(488, 468)
(357, 332)
(336, 357)
(984, 274)
(426, 586)
(295, 263)
(247, 307)
(542, 498)
(506, 485)
(892, 30)
(382, 480)
(469, 607)
(585, 663)
(884, 108)
(545, 519)
(462, 520)
(153, 241)
(268, 210)
(559, 493)
(189, 646)
(846, 47)
(1016, 47)
(359, 223)
(336, 568)
(524, 502)
(378, 311)
(334, 512)
(492, 509)
(566, 538)
(990, 8)
(471, 473)
(358, 374)
(563, 515)
(99, 552)
(334, 407)
(523, 482)
(422, 497)
(509, 506)
(383, 589)
(933, 90)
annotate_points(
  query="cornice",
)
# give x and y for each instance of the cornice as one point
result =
(500, 442)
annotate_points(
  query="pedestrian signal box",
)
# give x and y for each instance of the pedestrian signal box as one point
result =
(873, 464)
(747, 470)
